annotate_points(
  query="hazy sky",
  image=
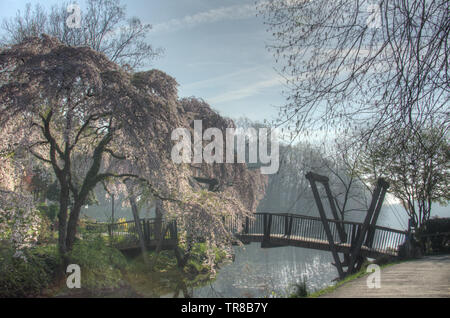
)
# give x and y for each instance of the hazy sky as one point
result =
(214, 48)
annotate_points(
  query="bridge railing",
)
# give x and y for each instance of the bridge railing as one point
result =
(124, 234)
(385, 239)
(311, 229)
(266, 225)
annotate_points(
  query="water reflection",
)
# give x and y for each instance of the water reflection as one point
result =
(258, 272)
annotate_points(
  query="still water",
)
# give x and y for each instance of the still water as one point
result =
(258, 272)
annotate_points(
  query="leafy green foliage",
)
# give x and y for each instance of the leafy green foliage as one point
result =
(200, 250)
(436, 225)
(50, 211)
(48, 217)
(301, 290)
(100, 265)
(53, 191)
(165, 278)
(27, 278)
(434, 235)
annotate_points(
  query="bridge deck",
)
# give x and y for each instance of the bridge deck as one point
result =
(279, 240)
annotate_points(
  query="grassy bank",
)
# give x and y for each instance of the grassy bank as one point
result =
(361, 273)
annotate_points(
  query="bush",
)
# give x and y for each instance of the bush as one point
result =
(431, 235)
(50, 211)
(199, 254)
(47, 214)
(300, 290)
(101, 266)
(435, 225)
(28, 278)
(383, 260)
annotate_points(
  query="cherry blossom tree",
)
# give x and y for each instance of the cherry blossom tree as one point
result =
(91, 122)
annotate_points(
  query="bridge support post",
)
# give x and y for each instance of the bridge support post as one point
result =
(364, 234)
(137, 224)
(267, 224)
(355, 230)
(370, 236)
(312, 177)
(287, 226)
(369, 222)
(340, 228)
(339, 225)
(246, 226)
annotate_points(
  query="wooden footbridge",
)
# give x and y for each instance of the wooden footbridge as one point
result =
(269, 229)
(275, 230)
(352, 239)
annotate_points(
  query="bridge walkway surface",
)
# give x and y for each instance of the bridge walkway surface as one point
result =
(427, 277)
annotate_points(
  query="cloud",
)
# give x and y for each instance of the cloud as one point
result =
(247, 91)
(222, 78)
(235, 12)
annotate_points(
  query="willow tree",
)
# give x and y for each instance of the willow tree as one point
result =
(381, 65)
(91, 121)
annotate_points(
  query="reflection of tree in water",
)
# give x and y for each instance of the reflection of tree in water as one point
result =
(182, 287)
(270, 273)
(277, 280)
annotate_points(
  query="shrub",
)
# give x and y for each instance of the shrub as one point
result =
(383, 260)
(199, 255)
(300, 290)
(47, 216)
(101, 266)
(50, 211)
(30, 276)
(431, 235)
(435, 225)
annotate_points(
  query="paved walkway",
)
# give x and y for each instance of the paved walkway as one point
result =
(426, 277)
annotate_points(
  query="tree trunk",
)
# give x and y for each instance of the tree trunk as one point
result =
(181, 257)
(62, 218)
(158, 218)
(72, 224)
(112, 208)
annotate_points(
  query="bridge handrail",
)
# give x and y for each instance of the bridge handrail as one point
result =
(301, 216)
(268, 224)
(379, 227)
(152, 220)
(123, 234)
(315, 218)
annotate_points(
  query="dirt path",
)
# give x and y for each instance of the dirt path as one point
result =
(426, 277)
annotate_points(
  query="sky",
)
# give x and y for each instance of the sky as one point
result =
(216, 50)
